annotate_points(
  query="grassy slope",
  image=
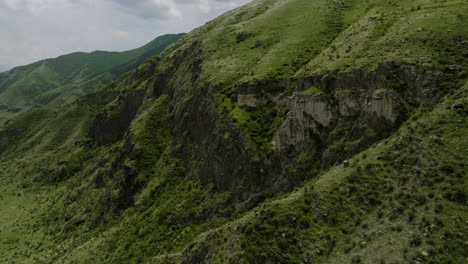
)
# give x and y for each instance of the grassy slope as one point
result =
(59, 81)
(402, 200)
(45, 134)
(157, 223)
(342, 216)
(282, 40)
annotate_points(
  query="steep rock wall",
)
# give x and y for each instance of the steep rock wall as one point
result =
(111, 124)
(355, 106)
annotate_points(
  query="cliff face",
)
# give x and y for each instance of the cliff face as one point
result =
(111, 124)
(330, 117)
(211, 145)
(369, 104)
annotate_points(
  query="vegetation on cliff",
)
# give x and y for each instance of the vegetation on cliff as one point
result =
(229, 147)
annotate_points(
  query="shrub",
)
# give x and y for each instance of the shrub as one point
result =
(356, 259)
(415, 241)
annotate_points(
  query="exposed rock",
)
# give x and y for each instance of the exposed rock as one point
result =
(420, 86)
(309, 113)
(315, 106)
(251, 100)
(318, 121)
(344, 81)
(385, 104)
(312, 124)
(255, 100)
(111, 124)
(457, 106)
(349, 104)
(279, 99)
(199, 137)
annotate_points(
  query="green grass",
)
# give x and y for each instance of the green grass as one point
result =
(67, 180)
(312, 90)
(283, 40)
(241, 116)
(398, 31)
(258, 124)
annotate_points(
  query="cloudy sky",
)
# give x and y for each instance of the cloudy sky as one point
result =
(32, 30)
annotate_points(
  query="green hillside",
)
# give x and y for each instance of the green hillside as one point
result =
(284, 131)
(60, 81)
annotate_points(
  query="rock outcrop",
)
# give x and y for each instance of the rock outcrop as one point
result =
(251, 100)
(369, 104)
(308, 116)
(111, 124)
(349, 103)
(385, 104)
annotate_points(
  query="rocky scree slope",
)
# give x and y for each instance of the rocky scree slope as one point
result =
(195, 157)
(60, 81)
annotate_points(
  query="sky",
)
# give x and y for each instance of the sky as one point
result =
(31, 30)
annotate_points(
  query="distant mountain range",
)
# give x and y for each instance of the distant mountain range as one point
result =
(59, 81)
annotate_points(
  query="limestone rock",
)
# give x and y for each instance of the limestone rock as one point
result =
(385, 104)
(251, 100)
(349, 105)
(308, 114)
(255, 100)
(316, 106)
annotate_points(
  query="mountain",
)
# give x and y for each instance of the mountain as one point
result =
(284, 131)
(60, 81)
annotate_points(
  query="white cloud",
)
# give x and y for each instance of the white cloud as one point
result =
(32, 6)
(36, 29)
(147, 9)
(166, 9)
